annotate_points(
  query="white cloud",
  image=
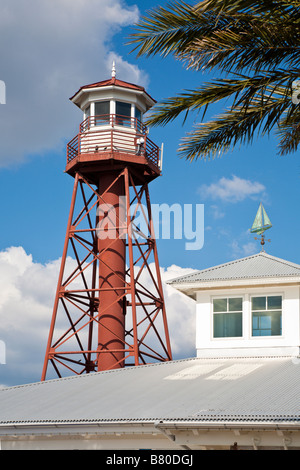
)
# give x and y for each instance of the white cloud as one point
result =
(240, 250)
(26, 302)
(181, 312)
(217, 213)
(232, 189)
(48, 49)
(126, 69)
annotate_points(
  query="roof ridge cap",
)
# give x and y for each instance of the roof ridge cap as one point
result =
(283, 261)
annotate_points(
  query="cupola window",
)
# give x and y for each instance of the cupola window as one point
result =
(123, 112)
(102, 112)
(138, 114)
(138, 118)
(87, 111)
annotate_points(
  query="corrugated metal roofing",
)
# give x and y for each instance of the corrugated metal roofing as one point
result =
(261, 265)
(226, 389)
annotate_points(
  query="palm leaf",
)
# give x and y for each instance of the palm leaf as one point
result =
(230, 128)
(242, 91)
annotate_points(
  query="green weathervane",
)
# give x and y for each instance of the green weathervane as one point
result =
(261, 224)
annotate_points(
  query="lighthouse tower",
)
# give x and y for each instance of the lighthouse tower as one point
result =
(109, 308)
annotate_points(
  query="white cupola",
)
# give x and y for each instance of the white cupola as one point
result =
(113, 101)
(112, 126)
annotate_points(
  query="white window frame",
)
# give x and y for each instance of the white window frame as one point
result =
(269, 294)
(226, 296)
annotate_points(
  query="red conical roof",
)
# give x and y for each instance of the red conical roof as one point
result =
(114, 82)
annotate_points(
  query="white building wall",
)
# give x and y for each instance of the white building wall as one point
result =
(247, 345)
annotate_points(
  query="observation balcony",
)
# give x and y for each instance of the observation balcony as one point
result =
(112, 137)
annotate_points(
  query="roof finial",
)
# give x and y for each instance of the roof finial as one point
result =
(113, 70)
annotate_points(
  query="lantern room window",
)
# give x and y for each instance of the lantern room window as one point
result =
(138, 118)
(86, 123)
(123, 114)
(87, 111)
(102, 112)
(112, 113)
(138, 113)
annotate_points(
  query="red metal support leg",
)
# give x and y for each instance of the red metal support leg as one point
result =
(48, 355)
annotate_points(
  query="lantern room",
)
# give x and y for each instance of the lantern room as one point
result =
(112, 126)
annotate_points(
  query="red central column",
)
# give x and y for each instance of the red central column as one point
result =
(112, 249)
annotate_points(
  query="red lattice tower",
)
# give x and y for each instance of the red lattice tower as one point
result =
(109, 306)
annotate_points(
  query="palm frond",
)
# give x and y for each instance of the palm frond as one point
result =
(247, 45)
(235, 126)
(289, 131)
(242, 90)
(166, 31)
(257, 7)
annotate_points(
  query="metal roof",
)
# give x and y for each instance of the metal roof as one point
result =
(261, 265)
(192, 390)
(112, 82)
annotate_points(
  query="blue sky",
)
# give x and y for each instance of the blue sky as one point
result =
(42, 69)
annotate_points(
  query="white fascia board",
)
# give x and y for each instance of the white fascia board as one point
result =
(192, 287)
(75, 428)
(110, 88)
(228, 424)
(140, 425)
